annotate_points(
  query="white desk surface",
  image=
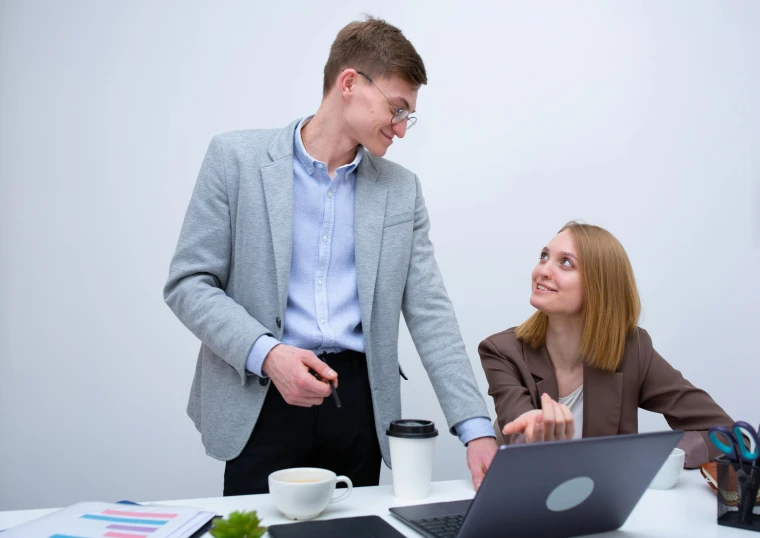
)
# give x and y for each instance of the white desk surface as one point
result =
(689, 509)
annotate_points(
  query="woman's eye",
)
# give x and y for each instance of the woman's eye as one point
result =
(566, 262)
(543, 256)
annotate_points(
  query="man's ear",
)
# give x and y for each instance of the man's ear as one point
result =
(346, 83)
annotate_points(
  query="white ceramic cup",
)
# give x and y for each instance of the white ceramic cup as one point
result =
(412, 444)
(668, 474)
(304, 492)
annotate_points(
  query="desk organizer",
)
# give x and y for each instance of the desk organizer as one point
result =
(738, 503)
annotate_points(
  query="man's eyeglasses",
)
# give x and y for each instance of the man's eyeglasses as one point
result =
(401, 114)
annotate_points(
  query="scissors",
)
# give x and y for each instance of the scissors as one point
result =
(738, 451)
(734, 446)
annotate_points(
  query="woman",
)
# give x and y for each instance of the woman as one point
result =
(580, 366)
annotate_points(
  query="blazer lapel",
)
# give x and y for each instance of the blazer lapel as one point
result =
(277, 177)
(602, 402)
(540, 365)
(602, 392)
(369, 216)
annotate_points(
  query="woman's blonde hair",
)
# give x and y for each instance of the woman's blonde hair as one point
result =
(611, 303)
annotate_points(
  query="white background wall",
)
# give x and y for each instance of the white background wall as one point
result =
(641, 116)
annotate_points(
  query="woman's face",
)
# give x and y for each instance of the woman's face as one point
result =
(556, 280)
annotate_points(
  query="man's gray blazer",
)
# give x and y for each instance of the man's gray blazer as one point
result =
(228, 283)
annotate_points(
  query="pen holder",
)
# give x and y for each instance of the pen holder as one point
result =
(738, 504)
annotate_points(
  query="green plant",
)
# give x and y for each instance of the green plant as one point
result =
(238, 525)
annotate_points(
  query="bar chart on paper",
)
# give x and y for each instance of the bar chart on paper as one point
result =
(104, 520)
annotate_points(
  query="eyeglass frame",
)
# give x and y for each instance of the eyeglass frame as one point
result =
(411, 120)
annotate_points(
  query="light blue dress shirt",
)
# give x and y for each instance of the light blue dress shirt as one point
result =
(323, 311)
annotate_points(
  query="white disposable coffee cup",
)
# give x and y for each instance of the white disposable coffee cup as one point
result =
(303, 492)
(668, 474)
(412, 444)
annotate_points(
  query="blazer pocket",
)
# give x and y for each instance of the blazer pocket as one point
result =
(398, 218)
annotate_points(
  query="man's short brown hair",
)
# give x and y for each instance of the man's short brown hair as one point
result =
(375, 48)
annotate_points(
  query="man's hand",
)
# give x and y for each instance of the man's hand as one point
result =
(288, 368)
(480, 453)
(553, 422)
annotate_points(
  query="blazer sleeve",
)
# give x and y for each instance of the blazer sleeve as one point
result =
(199, 270)
(664, 390)
(432, 324)
(506, 385)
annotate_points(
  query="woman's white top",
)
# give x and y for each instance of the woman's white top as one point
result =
(574, 402)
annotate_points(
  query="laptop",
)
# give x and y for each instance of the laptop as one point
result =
(561, 488)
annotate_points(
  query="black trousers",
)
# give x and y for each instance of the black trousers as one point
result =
(342, 440)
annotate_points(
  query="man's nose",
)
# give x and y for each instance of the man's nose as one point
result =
(400, 128)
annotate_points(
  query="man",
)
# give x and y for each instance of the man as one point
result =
(304, 241)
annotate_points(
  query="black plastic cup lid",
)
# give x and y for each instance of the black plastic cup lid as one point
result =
(412, 429)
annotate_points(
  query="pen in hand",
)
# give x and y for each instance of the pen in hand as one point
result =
(332, 385)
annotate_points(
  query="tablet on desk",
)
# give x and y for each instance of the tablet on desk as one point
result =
(355, 527)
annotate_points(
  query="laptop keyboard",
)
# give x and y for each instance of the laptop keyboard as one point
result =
(442, 527)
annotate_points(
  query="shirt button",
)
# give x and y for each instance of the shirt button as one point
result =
(319, 282)
(322, 321)
(329, 194)
(324, 238)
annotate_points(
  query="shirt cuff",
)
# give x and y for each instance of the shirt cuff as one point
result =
(693, 444)
(474, 428)
(259, 350)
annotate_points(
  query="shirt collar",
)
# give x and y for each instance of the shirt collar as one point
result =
(309, 162)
